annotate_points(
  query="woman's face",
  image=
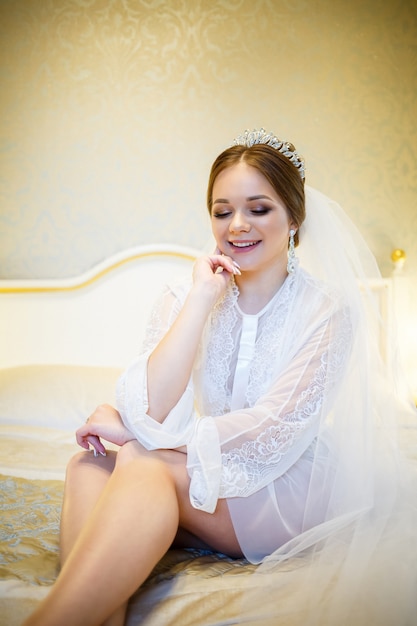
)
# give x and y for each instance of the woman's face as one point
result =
(249, 220)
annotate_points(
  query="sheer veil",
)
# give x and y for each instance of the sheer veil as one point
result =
(360, 565)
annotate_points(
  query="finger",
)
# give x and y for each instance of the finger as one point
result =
(226, 263)
(81, 435)
(80, 438)
(227, 257)
(96, 444)
(85, 439)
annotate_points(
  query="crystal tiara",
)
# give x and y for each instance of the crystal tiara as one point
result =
(252, 137)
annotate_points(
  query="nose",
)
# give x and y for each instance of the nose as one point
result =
(239, 224)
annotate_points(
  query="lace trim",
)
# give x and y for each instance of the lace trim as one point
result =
(247, 468)
(156, 323)
(268, 342)
(219, 352)
(221, 346)
(133, 402)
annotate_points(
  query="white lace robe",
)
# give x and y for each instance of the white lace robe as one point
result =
(260, 394)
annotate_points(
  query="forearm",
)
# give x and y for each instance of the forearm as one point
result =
(170, 364)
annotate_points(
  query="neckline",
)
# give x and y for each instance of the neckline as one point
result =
(267, 305)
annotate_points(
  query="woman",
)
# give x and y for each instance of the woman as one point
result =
(287, 456)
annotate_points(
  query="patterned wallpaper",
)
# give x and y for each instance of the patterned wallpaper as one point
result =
(113, 110)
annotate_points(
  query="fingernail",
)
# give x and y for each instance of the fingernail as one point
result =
(95, 452)
(103, 453)
(236, 263)
(237, 271)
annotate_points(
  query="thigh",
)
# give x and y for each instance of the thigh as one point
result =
(87, 472)
(86, 477)
(213, 529)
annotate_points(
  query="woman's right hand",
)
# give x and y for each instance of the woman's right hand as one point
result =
(214, 270)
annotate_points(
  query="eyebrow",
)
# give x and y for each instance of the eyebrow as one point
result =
(249, 199)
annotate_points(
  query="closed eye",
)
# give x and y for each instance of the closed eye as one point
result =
(222, 214)
(262, 210)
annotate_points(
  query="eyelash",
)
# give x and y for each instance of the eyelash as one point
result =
(220, 215)
(258, 211)
(263, 210)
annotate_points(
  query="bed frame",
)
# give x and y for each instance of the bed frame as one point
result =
(97, 318)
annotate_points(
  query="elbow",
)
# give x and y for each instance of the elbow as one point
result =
(157, 414)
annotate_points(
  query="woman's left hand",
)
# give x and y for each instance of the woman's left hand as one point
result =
(104, 423)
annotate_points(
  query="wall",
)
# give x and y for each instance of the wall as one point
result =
(112, 111)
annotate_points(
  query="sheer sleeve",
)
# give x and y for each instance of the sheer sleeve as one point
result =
(259, 444)
(132, 394)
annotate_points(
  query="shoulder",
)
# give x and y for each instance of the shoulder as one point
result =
(309, 286)
(180, 286)
(175, 290)
(319, 302)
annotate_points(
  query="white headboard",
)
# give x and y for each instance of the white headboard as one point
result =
(97, 318)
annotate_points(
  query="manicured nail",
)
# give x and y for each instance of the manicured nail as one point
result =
(236, 263)
(103, 453)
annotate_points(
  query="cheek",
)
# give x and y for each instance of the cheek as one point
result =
(216, 228)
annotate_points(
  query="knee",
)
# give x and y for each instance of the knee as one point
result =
(132, 452)
(133, 456)
(81, 460)
(76, 461)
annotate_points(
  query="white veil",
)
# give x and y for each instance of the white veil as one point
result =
(360, 565)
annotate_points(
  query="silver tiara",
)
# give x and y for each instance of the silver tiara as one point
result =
(252, 137)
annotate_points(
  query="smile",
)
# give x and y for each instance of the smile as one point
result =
(243, 244)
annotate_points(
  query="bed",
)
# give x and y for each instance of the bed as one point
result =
(63, 345)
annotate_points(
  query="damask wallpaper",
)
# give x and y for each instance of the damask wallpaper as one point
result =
(113, 110)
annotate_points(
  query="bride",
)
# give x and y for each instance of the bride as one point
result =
(259, 420)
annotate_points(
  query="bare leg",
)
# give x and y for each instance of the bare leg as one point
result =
(108, 561)
(130, 528)
(85, 481)
(86, 478)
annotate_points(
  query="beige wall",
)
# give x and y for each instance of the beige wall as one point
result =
(112, 111)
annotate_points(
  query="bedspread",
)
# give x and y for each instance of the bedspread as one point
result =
(186, 588)
(39, 417)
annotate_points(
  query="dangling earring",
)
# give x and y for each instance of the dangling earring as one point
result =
(292, 259)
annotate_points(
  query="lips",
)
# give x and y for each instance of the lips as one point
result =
(243, 245)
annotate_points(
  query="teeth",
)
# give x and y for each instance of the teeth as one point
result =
(244, 244)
